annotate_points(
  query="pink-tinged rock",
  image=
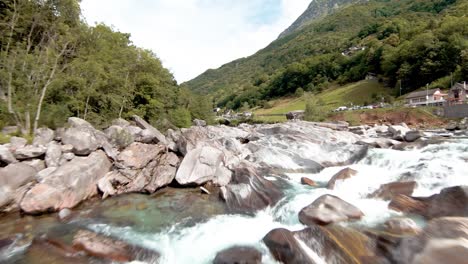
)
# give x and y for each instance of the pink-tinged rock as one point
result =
(68, 185)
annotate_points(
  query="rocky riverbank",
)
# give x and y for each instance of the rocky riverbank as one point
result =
(242, 170)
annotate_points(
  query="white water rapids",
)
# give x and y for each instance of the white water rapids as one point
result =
(434, 167)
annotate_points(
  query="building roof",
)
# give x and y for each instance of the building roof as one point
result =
(422, 93)
(459, 86)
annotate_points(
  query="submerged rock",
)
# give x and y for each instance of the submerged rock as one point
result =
(340, 176)
(401, 226)
(328, 209)
(249, 191)
(238, 255)
(107, 248)
(307, 181)
(451, 201)
(68, 185)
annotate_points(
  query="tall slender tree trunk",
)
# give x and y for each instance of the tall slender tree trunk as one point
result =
(86, 108)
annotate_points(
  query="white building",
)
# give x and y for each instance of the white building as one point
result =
(433, 97)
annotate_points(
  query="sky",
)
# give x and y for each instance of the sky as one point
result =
(191, 36)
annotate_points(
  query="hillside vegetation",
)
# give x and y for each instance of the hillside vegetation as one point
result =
(407, 42)
(53, 65)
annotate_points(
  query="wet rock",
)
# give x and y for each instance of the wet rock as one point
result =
(119, 137)
(12, 177)
(202, 165)
(284, 246)
(138, 155)
(200, 123)
(38, 164)
(18, 142)
(43, 136)
(451, 201)
(107, 248)
(341, 176)
(29, 152)
(401, 226)
(44, 249)
(398, 132)
(413, 135)
(82, 138)
(443, 240)
(379, 142)
(307, 181)
(248, 191)
(390, 190)
(53, 154)
(328, 209)
(64, 214)
(238, 255)
(6, 156)
(68, 185)
(144, 125)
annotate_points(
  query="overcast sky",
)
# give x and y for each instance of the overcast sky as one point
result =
(191, 36)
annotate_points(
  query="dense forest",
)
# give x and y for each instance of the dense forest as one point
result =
(53, 65)
(407, 42)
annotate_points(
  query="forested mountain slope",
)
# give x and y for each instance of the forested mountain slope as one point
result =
(53, 65)
(417, 42)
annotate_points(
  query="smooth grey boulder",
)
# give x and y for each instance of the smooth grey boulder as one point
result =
(82, 138)
(18, 142)
(328, 209)
(78, 122)
(238, 255)
(66, 187)
(413, 135)
(147, 136)
(286, 248)
(12, 177)
(38, 164)
(120, 122)
(119, 137)
(6, 156)
(43, 174)
(399, 132)
(29, 152)
(67, 148)
(204, 164)
(53, 154)
(43, 136)
(144, 125)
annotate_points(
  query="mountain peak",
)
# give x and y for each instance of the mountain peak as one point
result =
(317, 9)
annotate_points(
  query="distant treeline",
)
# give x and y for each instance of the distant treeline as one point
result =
(53, 65)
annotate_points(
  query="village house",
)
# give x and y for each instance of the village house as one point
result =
(433, 97)
(458, 94)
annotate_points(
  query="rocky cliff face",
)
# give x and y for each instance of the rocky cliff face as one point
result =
(317, 9)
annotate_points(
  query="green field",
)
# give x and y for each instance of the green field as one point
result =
(353, 94)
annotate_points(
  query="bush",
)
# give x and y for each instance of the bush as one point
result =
(299, 92)
(180, 117)
(314, 111)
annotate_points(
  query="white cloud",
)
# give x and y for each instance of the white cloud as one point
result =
(191, 36)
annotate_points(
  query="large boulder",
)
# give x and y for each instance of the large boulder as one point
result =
(238, 255)
(341, 176)
(295, 115)
(160, 138)
(249, 191)
(443, 240)
(285, 247)
(29, 152)
(307, 181)
(451, 201)
(198, 122)
(390, 190)
(202, 165)
(399, 131)
(6, 156)
(328, 209)
(78, 122)
(43, 136)
(138, 155)
(53, 155)
(110, 249)
(12, 178)
(82, 138)
(120, 122)
(379, 142)
(413, 135)
(67, 186)
(17, 142)
(119, 137)
(401, 226)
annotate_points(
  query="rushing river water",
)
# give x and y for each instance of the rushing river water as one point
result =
(193, 230)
